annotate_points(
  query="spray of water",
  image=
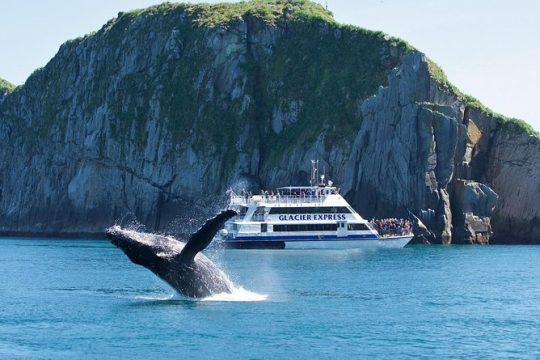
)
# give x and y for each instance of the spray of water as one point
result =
(238, 294)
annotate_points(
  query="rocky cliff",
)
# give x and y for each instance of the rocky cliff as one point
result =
(155, 115)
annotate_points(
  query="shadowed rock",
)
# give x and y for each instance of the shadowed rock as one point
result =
(421, 233)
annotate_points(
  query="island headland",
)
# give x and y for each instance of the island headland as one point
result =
(154, 116)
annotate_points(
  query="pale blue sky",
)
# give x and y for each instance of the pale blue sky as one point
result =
(488, 48)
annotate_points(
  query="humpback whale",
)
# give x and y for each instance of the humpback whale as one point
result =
(179, 264)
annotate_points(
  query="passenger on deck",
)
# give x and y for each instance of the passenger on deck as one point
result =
(392, 226)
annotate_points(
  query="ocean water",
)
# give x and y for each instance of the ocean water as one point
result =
(69, 299)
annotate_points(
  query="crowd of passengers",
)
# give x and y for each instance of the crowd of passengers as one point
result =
(273, 195)
(392, 226)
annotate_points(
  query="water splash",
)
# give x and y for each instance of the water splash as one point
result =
(164, 297)
(238, 294)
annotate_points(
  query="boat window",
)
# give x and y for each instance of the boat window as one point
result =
(357, 227)
(258, 214)
(264, 227)
(310, 210)
(242, 212)
(305, 227)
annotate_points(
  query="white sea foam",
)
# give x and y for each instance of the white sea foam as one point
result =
(164, 297)
(238, 294)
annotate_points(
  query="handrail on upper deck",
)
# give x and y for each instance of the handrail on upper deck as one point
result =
(276, 199)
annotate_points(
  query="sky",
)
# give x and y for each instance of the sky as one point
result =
(489, 49)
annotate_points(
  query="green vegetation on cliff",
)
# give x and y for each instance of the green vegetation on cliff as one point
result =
(199, 66)
(512, 124)
(269, 11)
(300, 57)
(356, 67)
(224, 13)
(350, 67)
(6, 85)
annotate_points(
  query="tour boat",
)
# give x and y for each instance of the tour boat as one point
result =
(314, 216)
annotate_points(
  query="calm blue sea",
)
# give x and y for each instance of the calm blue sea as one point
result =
(69, 299)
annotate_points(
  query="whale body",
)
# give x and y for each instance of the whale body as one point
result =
(179, 264)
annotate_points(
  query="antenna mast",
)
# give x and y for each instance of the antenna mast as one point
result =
(314, 172)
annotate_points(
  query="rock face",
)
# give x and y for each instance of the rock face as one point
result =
(158, 113)
(473, 207)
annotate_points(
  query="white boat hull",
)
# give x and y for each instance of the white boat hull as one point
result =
(335, 243)
(388, 242)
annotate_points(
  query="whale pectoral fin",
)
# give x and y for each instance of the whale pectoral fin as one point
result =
(202, 238)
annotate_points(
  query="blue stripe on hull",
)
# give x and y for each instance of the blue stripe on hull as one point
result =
(304, 237)
(313, 242)
(348, 243)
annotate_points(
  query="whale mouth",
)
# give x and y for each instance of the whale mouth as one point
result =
(139, 247)
(117, 235)
(120, 236)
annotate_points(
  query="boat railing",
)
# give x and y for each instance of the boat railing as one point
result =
(276, 199)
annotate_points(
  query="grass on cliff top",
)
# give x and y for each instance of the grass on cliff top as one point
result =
(6, 85)
(269, 11)
(224, 13)
(510, 123)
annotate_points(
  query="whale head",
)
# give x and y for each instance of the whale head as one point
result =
(148, 250)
